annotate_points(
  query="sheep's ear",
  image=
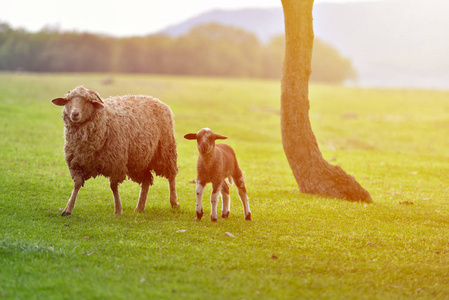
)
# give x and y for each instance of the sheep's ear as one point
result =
(60, 101)
(220, 137)
(96, 100)
(190, 136)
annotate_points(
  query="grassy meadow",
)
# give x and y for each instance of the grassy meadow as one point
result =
(297, 246)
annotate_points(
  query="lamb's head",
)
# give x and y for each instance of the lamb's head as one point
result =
(79, 104)
(205, 139)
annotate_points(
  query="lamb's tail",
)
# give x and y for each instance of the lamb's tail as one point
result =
(231, 180)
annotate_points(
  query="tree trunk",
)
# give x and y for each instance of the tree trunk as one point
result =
(313, 174)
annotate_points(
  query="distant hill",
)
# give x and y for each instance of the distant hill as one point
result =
(396, 43)
(265, 23)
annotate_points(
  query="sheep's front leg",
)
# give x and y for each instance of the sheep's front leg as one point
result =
(199, 197)
(214, 201)
(117, 203)
(226, 200)
(244, 198)
(142, 197)
(78, 183)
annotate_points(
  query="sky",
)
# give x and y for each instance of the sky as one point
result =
(117, 18)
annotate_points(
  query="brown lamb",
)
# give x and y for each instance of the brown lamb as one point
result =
(215, 164)
(117, 137)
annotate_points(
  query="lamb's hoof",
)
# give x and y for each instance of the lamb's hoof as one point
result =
(175, 205)
(66, 213)
(138, 210)
(199, 215)
(213, 219)
(118, 213)
(225, 215)
(248, 217)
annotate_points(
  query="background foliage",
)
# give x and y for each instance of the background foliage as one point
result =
(211, 49)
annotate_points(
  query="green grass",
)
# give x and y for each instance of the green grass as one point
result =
(297, 246)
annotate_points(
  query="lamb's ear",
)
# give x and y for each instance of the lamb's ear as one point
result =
(190, 136)
(96, 100)
(220, 137)
(60, 101)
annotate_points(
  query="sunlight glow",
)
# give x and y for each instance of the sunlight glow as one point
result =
(117, 18)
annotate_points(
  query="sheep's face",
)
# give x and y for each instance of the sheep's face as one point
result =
(78, 110)
(205, 140)
(79, 105)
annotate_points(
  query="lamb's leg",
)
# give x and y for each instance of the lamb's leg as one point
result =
(117, 203)
(78, 182)
(199, 198)
(143, 196)
(244, 198)
(173, 196)
(214, 201)
(226, 200)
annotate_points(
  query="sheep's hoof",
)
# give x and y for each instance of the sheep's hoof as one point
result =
(213, 219)
(175, 205)
(138, 210)
(199, 215)
(66, 213)
(248, 217)
(225, 215)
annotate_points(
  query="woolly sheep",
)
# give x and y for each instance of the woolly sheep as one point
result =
(215, 164)
(117, 137)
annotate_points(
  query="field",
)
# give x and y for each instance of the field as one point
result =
(297, 246)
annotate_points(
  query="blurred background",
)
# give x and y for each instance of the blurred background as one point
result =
(389, 43)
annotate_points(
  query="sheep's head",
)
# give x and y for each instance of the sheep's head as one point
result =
(79, 104)
(205, 139)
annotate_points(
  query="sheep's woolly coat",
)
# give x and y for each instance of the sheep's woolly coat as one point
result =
(132, 135)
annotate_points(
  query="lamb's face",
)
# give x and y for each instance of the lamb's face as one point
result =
(205, 140)
(78, 110)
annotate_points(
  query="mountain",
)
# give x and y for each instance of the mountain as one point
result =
(395, 43)
(265, 23)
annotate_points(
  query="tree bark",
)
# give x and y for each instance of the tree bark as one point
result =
(313, 174)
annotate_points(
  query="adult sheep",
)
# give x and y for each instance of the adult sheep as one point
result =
(117, 137)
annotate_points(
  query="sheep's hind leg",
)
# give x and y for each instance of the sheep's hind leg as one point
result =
(71, 203)
(226, 200)
(173, 197)
(244, 198)
(117, 203)
(143, 196)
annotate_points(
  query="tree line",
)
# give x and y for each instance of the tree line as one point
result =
(208, 50)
